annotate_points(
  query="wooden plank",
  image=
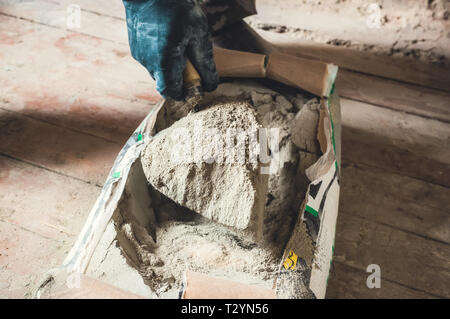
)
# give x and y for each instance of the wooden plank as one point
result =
(399, 201)
(401, 69)
(396, 95)
(346, 282)
(24, 258)
(41, 213)
(67, 152)
(95, 86)
(33, 198)
(56, 15)
(404, 258)
(397, 142)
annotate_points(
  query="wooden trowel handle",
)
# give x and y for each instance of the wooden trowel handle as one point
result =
(239, 64)
(313, 76)
(191, 77)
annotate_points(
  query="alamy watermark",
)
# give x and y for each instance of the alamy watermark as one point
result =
(234, 146)
(73, 19)
(73, 279)
(374, 20)
(374, 279)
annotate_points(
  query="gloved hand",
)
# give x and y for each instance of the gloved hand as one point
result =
(162, 33)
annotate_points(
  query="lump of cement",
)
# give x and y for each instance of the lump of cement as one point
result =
(305, 127)
(204, 162)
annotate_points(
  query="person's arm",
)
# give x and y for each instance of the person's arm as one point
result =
(162, 33)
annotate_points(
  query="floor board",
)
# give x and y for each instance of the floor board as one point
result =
(400, 69)
(94, 87)
(41, 213)
(396, 142)
(347, 282)
(403, 257)
(400, 201)
(52, 147)
(395, 95)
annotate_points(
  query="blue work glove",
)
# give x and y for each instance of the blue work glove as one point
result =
(162, 33)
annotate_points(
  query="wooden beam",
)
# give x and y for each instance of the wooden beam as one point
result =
(400, 96)
(401, 69)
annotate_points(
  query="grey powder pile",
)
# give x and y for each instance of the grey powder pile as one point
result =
(185, 239)
(211, 172)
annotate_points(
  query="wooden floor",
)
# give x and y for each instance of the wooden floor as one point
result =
(70, 98)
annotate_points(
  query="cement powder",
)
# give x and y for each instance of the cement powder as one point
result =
(211, 174)
(206, 247)
(186, 240)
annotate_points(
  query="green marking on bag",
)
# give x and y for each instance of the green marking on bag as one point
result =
(139, 137)
(332, 89)
(116, 174)
(311, 210)
(332, 125)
